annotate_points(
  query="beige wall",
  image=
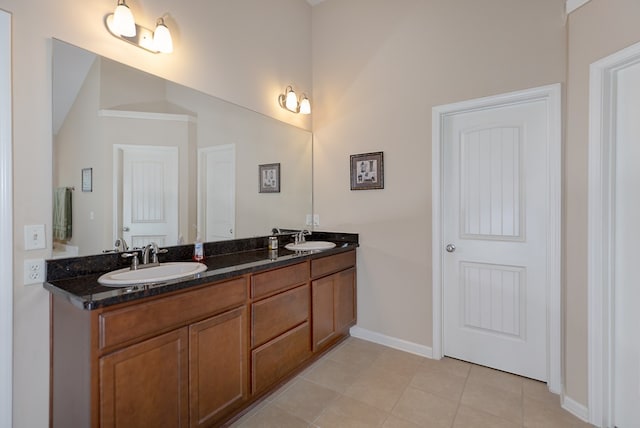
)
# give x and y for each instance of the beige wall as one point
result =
(379, 67)
(596, 30)
(238, 50)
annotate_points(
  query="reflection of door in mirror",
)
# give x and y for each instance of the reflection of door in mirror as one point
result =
(217, 192)
(149, 196)
(99, 103)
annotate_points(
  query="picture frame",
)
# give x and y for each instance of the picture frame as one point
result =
(367, 171)
(87, 179)
(269, 178)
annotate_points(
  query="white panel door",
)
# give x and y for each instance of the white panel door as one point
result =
(626, 317)
(217, 194)
(494, 270)
(149, 195)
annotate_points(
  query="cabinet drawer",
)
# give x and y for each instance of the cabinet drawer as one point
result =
(264, 284)
(327, 265)
(279, 313)
(276, 359)
(146, 319)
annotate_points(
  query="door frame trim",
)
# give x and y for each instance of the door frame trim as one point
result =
(6, 227)
(552, 96)
(601, 212)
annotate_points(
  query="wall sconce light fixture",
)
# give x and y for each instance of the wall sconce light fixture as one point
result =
(289, 100)
(121, 24)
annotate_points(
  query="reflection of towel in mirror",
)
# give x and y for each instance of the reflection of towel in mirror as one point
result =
(62, 213)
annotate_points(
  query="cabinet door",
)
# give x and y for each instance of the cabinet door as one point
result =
(146, 384)
(322, 298)
(345, 300)
(333, 306)
(218, 366)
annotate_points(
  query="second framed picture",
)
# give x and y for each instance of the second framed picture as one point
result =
(367, 171)
(269, 176)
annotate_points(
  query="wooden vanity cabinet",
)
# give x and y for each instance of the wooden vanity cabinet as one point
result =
(179, 360)
(218, 367)
(133, 394)
(196, 358)
(280, 324)
(333, 295)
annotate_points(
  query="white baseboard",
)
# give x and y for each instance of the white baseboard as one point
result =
(578, 410)
(391, 342)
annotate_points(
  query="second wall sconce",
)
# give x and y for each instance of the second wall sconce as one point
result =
(121, 24)
(289, 100)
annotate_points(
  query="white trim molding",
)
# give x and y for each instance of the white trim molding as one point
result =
(6, 225)
(391, 342)
(575, 408)
(602, 120)
(552, 96)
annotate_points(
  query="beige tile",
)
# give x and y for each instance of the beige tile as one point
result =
(496, 401)
(445, 384)
(365, 344)
(348, 412)
(398, 362)
(333, 375)
(396, 422)
(540, 415)
(357, 354)
(425, 409)
(540, 391)
(255, 409)
(496, 378)
(380, 389)
(281, 389)
(271, 416)
(450, 365)
(305, 399)
(472, 418)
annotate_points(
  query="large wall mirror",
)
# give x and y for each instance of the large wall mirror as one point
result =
(142, 159)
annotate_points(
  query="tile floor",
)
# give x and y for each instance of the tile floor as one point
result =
(362, 384)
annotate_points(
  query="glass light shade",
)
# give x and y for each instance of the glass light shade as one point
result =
(291, 102)
(123, 22)
(305, 105)
(162, 38)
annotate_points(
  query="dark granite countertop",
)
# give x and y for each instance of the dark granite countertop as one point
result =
(77, 279)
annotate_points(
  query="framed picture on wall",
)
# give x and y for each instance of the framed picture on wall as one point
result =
(367, 171)
(87, 179)
(269, 176)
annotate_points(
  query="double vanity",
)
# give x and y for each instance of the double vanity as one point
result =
(197, 350)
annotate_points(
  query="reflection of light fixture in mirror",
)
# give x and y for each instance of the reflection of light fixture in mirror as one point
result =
(123, 22)
(122, 25)
(162, 38)
(289, 100)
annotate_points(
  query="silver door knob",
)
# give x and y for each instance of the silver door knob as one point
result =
(450, 248)
(125, 229)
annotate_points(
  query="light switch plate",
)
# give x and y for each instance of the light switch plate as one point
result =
(34, 238)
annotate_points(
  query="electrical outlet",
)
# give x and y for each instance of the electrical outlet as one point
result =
(316, 219)
(309, 221)
(34, 238)
(34, 271)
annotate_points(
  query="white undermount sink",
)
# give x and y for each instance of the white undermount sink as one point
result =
(161, 272)
(310, 246)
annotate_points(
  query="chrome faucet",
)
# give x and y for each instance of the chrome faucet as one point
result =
(300, 236)
(152, 248)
